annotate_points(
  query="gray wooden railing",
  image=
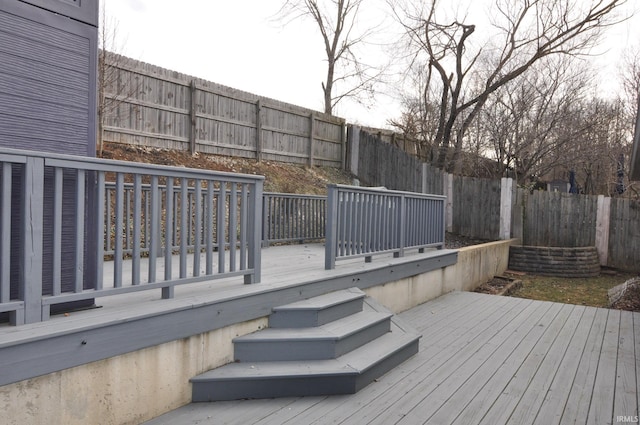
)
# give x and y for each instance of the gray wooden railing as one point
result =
(293, 218)
(362, 222)
(285, 218)
(221, 221)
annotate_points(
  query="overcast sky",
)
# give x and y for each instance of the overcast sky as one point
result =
(238, 43)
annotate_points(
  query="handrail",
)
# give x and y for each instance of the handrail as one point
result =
(362, 222)
(64, 217)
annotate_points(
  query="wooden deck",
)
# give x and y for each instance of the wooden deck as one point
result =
(483, 360)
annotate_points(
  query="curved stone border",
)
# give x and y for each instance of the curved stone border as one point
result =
(555, 261)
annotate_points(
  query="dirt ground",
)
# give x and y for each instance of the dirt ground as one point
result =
(279, 177)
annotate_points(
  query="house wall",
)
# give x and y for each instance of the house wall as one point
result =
(137, 386)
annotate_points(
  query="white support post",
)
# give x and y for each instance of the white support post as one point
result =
(506, 194)
(354, 144)
(602, 228)
(448, 192)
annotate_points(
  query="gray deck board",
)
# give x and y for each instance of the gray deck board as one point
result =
(601, 410)
(555, 397)
(583, 383)
(626, 401)
(448, 411)
(482, 359)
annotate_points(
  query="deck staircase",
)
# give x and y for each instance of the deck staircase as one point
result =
(332, 344)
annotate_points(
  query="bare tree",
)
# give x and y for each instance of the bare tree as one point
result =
(111, 91)
(525, 32)
(528, 123)
(336, 20)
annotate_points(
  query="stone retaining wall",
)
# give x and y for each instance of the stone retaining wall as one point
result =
(555, 261)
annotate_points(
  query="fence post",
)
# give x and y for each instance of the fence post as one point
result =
(424, 177)
(312, 123)
(193, 117)
(331, 231)
(603, 218)
(259, 130)
(255, 234)
(343, 135)
(506, 193)
(31, 234)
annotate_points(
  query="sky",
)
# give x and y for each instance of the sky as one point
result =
(240, 44)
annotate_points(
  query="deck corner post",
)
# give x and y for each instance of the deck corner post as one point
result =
(255, 234)
(331, 232)
(31, 235)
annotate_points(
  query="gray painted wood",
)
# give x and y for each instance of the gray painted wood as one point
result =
(602, 399)
(324, 342)
(293, 273)
(549, 364)
(625, 402)
(339, 357)
(318, 310)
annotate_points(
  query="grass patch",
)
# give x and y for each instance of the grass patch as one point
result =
(582, 291)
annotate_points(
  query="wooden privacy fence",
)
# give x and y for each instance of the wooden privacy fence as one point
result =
(56, 205)
(363, 222)
(476, 207)
(556, 219)
(624, 234)
(150, 106)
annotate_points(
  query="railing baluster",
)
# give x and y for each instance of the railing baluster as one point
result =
(233, 226)
(168, 238)
(5, 234)
(209, 228)
(100, 233)
(184, 233)
(243, 227)
(197, 226)
(117, 264)
(56, 277)
(137, 229)
(127, 218)
(221, 225)
(108, 246)
(154, 238)
(79, 232)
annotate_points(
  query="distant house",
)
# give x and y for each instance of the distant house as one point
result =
(562, 186)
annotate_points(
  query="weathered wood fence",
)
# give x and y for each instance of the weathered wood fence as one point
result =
(497, 209)
(151, 106)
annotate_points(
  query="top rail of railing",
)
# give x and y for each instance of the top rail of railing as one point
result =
(362, 222)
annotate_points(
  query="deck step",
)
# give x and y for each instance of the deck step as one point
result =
(344, 375)
(324, 342)
(318, 311)
(354, 341)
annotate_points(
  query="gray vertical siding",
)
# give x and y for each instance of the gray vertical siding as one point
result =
(48, 61)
